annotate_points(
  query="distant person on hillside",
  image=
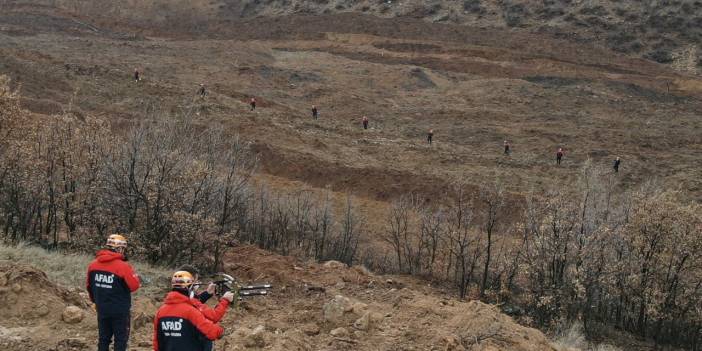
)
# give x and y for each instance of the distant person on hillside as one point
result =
(506, 147)
(202, 91)
(315, 112)
(365, 122)
(430, 136)
(110, 283)
(617, 162)
(559, 155)
(137, 77)
(253, 103)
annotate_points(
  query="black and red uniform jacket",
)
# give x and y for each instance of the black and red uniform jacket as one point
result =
(110, 283)
(180, 326)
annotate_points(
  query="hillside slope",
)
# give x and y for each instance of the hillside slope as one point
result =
(663, 31)
(474, 87)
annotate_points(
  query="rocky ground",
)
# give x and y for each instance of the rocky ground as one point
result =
(313, 307)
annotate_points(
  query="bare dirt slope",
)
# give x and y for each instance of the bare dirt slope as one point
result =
(475, 87)
(658, 30)
(309, 301)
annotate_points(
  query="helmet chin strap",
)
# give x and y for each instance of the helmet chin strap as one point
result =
(191, 290)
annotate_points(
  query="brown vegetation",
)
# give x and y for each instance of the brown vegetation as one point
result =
(98, 153)
(588, 253)
(179, 192)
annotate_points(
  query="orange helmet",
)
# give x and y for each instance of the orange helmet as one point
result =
(116, 241)
(182, 279)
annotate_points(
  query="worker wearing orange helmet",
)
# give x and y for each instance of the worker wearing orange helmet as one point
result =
(179, 324)
(110, 282)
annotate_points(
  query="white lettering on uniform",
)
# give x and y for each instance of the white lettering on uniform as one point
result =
(102, 278)
(172, 325)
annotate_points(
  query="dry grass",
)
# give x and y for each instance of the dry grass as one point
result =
(69, 269)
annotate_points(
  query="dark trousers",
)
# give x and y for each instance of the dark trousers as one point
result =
(365, 124)
(207, 345)
(253, 106)
(429, 137)
(558, 159)
(113, 325)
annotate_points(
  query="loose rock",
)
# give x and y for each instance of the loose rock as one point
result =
(339, 332)
(310, 329)
(72, 315)
(335, 309)
(359, 308)
(41, 310)
(363, 323)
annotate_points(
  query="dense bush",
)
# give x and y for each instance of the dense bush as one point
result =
(181, 192)
(587, 252)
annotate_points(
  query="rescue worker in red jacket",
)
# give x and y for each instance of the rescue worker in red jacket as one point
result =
(110, 282)
(179, 325)
(200, 300)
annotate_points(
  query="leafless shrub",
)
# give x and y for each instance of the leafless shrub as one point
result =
(182, 192)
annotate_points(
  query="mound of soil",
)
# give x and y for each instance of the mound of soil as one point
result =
(313, 306)
(28, 294)
(330, 306)
(33, 308)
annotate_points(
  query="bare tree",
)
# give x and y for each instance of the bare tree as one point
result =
(397, 232)
(491, 199)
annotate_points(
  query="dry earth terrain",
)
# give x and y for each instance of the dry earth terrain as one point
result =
(313, 307)
(477, 78)
(475, 87)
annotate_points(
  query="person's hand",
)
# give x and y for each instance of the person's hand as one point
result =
(229, 296)
(211, 288)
